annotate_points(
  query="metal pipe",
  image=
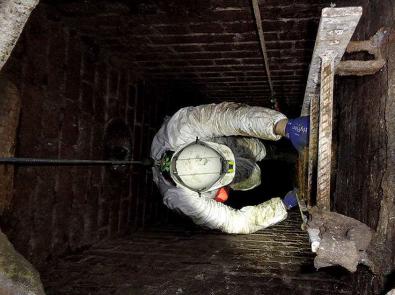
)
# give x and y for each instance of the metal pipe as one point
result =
(258, 22)
(65, 162)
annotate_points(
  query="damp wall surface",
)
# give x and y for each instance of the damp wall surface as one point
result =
(363, 135)
(361, 104)
(363, 187)
(69, 93)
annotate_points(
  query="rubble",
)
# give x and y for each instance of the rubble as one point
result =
(344, 241)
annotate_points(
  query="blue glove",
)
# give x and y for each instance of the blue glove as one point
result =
(290, 200)
(298, 131)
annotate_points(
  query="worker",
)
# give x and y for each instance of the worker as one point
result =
(201, 152)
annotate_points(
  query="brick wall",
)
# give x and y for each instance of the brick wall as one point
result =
(79, 66)
(212, 43)
(168, 260)
(69, 93)
(70, 90)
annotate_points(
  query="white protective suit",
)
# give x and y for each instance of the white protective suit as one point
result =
(235, 125)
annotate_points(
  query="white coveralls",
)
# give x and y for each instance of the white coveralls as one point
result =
(235, 125)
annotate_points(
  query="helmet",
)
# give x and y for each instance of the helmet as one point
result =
(203, 166)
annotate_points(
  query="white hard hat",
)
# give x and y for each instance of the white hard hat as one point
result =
(203, 166)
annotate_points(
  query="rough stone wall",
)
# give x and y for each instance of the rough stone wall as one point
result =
(364, 139)
(69, 92)
(13, 16)
(17, 275)
(361, 140)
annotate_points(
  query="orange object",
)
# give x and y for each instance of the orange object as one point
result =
(222, 195)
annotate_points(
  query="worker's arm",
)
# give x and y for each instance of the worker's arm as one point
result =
(215, 120)
(212, 214)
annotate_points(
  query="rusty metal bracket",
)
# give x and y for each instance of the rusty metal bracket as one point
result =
(364, 67)
(335, 30)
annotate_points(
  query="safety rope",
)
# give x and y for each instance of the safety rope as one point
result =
(258, 21)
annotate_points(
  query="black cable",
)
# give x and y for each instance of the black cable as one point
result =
(64, 162)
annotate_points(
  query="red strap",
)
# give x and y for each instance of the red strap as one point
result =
(222, 195)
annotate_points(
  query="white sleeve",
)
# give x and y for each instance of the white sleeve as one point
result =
(212, 214)
(215, 120)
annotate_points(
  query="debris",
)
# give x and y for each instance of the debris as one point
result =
(343, 240)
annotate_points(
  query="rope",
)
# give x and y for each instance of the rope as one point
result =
(258, 21)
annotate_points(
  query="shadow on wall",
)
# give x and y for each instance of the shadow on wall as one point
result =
(176, 94)
(117, 144)
(277, 179)
(389, 282)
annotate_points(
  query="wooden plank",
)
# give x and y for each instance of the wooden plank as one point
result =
(337, 25)
(335, 30)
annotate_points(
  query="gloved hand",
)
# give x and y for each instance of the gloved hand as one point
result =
(290, 200)
(298, 131)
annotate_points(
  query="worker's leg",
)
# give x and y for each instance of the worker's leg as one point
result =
(247, 151)
(248, 175)
(243, 147)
